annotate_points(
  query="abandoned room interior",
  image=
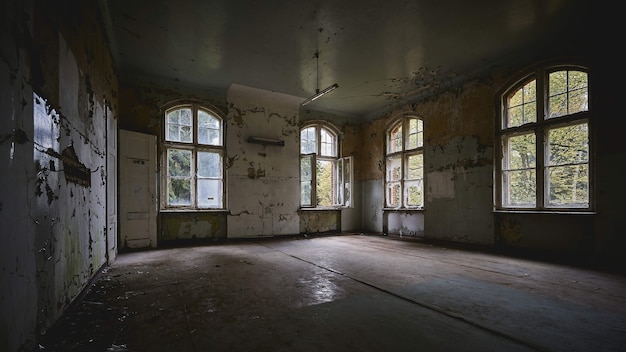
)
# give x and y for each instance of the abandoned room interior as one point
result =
(310, 175)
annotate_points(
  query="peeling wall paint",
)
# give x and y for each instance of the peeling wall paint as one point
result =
(263, 180)
(57, 81)
(200, 225)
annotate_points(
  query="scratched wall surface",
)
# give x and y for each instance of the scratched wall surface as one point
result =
(58, 83)
(263, 180)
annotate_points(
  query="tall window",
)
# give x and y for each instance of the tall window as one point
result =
(404, 164)
(193, 153)
(544, 142)
(325, 178)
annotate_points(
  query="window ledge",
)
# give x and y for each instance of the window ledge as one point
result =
(194, 211)
(408, 210)
(547, 212)
(321, 209)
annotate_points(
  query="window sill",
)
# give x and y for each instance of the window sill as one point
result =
(321, 209)
(407, 210)
(545, 212)
(170, 211)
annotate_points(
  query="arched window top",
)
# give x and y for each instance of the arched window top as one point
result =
(193, 124)
(319, 138)
(566, 92)
(407, 133)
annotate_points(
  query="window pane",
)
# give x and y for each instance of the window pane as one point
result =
(208, 129)
(179, 191)
(519, 188)
(393, 168)
(209, 164)
(347, 181)
(393, 194)
(324, 183)
(568, 169)
(568, 186)
(568, 93)
(394, 139)
(522, 106)
(414, 193)
(178, 162)
(338, 186)
(568, 145)
(415, 167)
(415, 134)
(179, 126)
(519, 176)
(520, 152)
(178, 177)
(328, 143)
(209, 193)
(308, 143)
(306, 181)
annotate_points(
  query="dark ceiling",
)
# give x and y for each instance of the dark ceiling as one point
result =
(380, 53)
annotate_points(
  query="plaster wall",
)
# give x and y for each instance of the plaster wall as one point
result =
(263, 180)
(58, 84)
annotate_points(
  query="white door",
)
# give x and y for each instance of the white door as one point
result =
(138, 200)
(111, 177)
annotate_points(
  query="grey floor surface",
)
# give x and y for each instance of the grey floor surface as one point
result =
(342, 293)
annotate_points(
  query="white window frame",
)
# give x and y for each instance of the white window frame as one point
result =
(540, 129)
(342, 168)
(194, 147)
(403, 153)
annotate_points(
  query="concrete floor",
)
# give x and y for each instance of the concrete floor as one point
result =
(342, 293)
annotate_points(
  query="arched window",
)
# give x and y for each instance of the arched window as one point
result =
(544, 135)
(193, 154)
(325, 178)
(404, 164)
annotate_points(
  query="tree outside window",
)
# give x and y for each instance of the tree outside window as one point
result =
(545, 157)
(404, 164)
(325, 178)
(193, 152)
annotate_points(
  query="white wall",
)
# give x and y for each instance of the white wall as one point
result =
(263, 180)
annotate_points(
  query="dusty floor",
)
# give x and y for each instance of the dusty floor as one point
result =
(342, 293)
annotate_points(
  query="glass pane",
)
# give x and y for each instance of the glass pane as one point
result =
(414, 193)
(324, 182)
(393, 195)
(305, 181)
(178, 162)
(522, 106)
(568, 93)
(308, 143)
(415, 134)
(393, 169)
(568, 145)
(415, 167)
(519, 188)
(347, 181)
(568, 186)
(208, 129)
(394, 139)
(179, 192)
(339, 173)
(305, 169)
(328, 143)
(179, 125)
(558, 105)
(305, 194)
(520, 152)
(209, 193)
(209, 164)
